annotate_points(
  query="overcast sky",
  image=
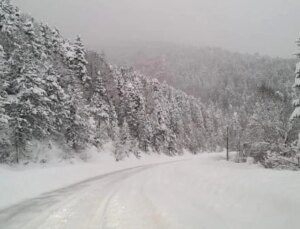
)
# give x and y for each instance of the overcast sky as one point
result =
(266, 26)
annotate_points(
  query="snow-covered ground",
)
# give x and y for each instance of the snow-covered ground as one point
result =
(24, 182)
(185, 192)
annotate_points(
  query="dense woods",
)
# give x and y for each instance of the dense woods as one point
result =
(251, 94)
(54, 90)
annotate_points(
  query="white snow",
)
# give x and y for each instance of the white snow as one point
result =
(296, 113)
(297, 78)
(23, 182)
(296, 102)
(297, 70)
(297, 82)
(202, 191)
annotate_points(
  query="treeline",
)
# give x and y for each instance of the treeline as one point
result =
(52, 89)
(252, 93)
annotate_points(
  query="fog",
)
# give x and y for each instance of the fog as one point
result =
(266, 26)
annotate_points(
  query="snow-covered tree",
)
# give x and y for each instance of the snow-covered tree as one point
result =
(46, 38)
(28, 27)
(77, 134)
(5, 145)
(4, 69)
(57, 42)
(30, 111)
(296, 86)
(123, 142)
(58, 102)
(159, 118)
(9, 16)
(99, 107)
(79, 61)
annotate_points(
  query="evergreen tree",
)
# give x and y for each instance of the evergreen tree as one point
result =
(5, 145)
(58, 104)
(77, 133)
(123, 143)
(4, 69)
(9, 17)
(100, 109)
(296, 86)
(79, 61)
(46, 39)
(159, 118)
(29, 111)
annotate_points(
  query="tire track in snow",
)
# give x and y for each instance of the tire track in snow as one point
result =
(31, 211)
(57, 208)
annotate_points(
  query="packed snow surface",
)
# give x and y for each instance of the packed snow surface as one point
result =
(197, 192)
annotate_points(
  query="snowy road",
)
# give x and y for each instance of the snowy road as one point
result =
(199, 193)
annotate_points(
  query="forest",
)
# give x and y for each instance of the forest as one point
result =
(166, 100)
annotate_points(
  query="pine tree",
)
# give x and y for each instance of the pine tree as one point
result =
(113, 122)
(145, 135)
(9, 17)
(46, 39)
(135, 107)
(4, 69)
(57, 43)
(100, 109)
(79, 62)
(268, 123)
(296, 86)
(58, 104)
(31, 110)
(197, 126)
(28, 27)
(124, 142)
(5, 145)
(159, 118)
(30, 113)
(176, 122)
(77, 133)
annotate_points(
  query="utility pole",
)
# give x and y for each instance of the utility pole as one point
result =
(17, 140)
(227, 154)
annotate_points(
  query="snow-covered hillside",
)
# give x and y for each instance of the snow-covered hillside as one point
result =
(54, 90)
(202, 191)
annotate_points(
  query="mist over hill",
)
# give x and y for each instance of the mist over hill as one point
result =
(205, 72)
